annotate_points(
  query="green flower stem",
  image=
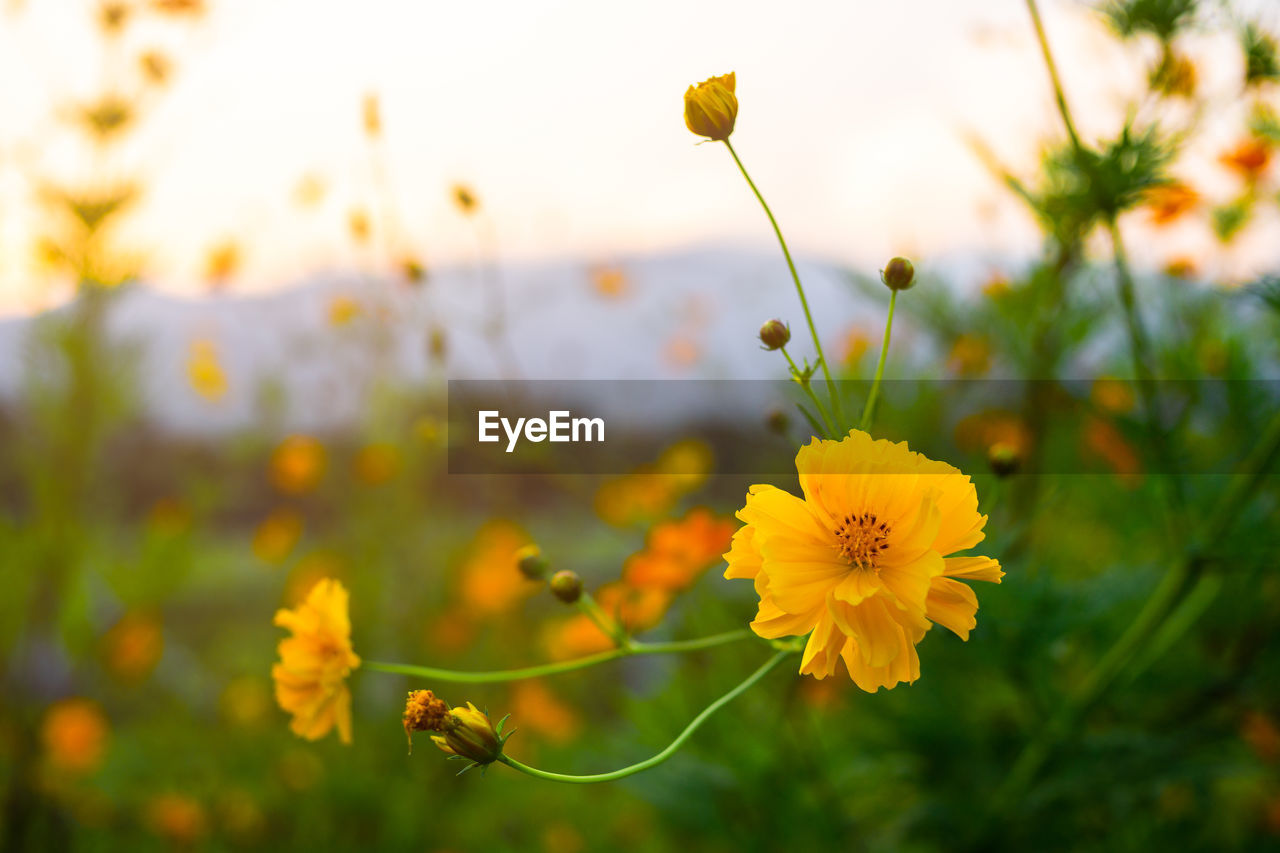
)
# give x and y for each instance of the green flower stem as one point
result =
(671, 750)
(1163, 601)
(1058, 94)
(832, 432)
(606, 623)
(836, 407)
(634, 648)
(869, 409)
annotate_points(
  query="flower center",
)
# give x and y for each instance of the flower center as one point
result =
(863, 538)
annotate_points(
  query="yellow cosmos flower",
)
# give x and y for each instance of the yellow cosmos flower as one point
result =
(861, 563)
(711, 107)
(311, 678)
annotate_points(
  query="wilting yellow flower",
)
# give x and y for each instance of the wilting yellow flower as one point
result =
(861, 561)
(74, 733)
(297, 464)
(711, 107)
(465, 732)
(275, 538)
(311, 678)
(204, 371)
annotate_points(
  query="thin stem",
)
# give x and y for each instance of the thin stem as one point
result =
(869, 409)
(1058, 94)
(458, 677)
(607, 624)
(671, 750)
(836, 407)
(832, 432)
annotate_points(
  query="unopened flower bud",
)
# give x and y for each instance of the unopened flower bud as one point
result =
(531, 563)
(775, 334)
(1003, 458)
(566, 586)
(899, 274)
(468, 733)
(711, 107)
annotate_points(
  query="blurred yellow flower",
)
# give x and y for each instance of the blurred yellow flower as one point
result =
(711, 107)
(853, 346)
(1248, 159)
(861, 561)
(134, 645)
(1180, 267)
(311, 678)
(376, 464)
(155, 66)
(342, 310)
(677, 552)
(465, 199)
(372, 116)
(541, 711)
(204, 371)
(297, 464)
(309, 190)
(1168, 202)
(970, 355)
(609, 282)
(686, 463)
(358, 225)
(74, 733)
(1175, 76)
(1112, 395)
(310, 570)
(245, 701)
(996, 285)
(277, 535)
(491, 582)
(222, 263)
(177, 818)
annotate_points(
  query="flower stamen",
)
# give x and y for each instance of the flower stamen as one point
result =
(863, 538)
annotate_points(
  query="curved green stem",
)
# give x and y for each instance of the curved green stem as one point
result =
(836, 406)
(869, 410)
(494, 676)
(1058, 94)
(671, 750)
(832, 432)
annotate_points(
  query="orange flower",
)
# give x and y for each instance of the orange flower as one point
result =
(275, 538)
(375, 464)
(1168, 202)
(540, 711)
(491, 582)
(1249, 159)
(677, 552)
(635, 608)
(177, 818)
(609, 282)
(311, 678)
(75, 734)
(970, 355)
(574, 637)
(134, 645)
(1260, 732)
(1103, 440)
(297, 464)
(1112, 395)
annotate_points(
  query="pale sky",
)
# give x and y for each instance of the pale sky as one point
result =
(566, 118)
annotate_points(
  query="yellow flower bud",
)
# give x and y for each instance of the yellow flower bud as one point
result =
(775, 334)
(711, 107)
(566, 586)
(469, 734)
(531, 563)
(899, 274)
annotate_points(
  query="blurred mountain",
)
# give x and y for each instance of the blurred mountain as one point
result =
(313, 353)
